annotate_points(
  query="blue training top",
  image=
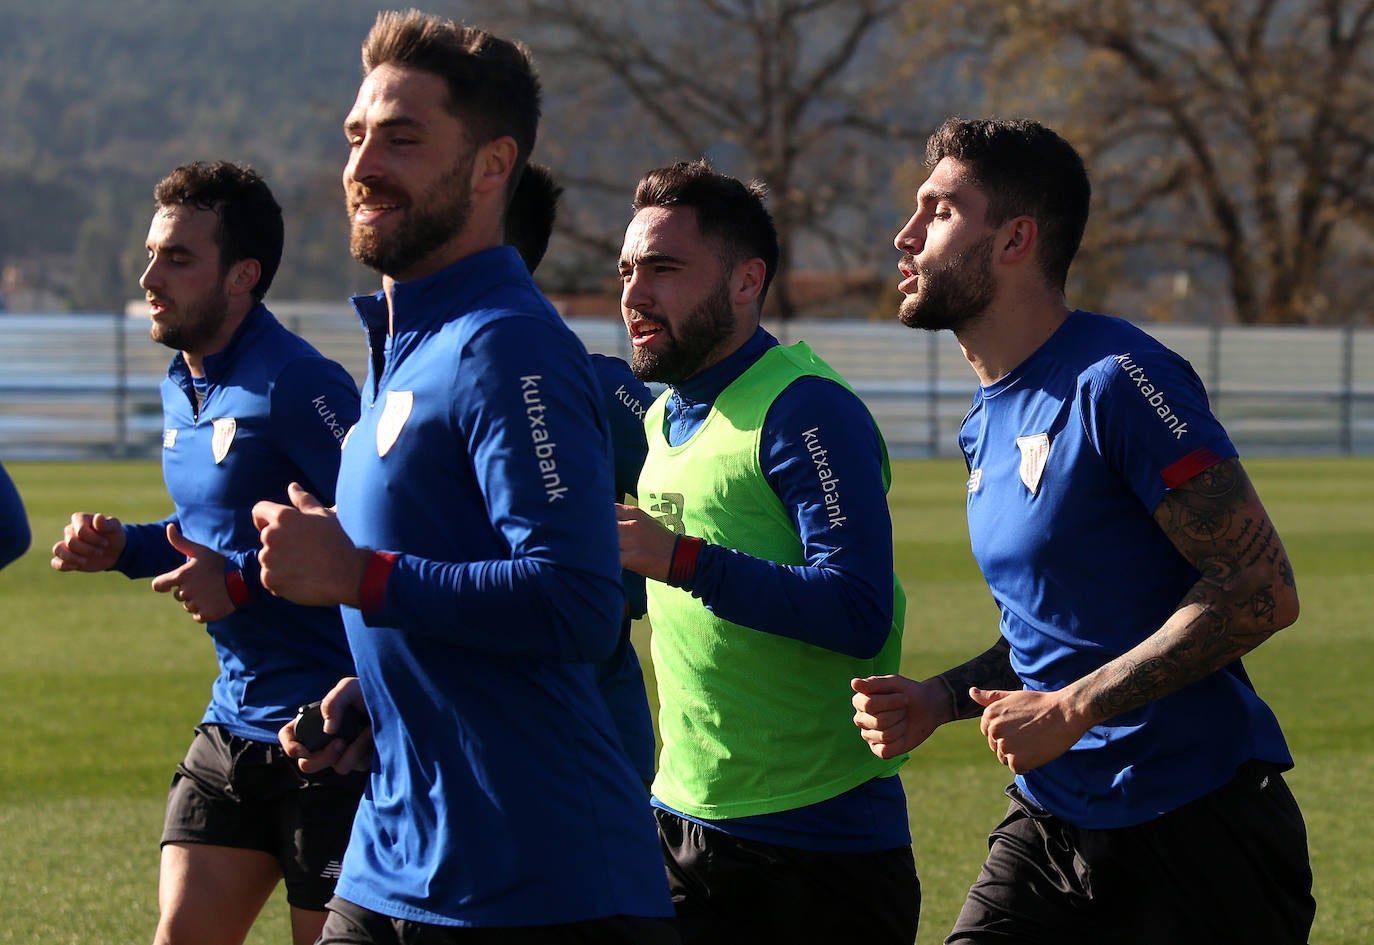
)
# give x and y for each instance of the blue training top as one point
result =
(481, 466)
(14, 523)
(275, 411)
(841, 599)
(1069, 456)
(620, 677)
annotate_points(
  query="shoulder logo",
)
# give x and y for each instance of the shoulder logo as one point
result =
(1035, 450)
(225, 428)
(393, 419)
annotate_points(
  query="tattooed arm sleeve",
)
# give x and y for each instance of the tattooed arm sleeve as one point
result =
(991, 669)
(1245, 595)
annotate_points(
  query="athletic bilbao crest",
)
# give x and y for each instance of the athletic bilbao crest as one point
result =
(1034, 451)
(394, 417)
(225, 428)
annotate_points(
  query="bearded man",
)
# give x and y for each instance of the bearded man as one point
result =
(474, 548)
(248, 408)
(765, 533)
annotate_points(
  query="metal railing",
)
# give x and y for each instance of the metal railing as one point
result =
(86, 386)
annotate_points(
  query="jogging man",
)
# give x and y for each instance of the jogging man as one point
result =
(474, 548)
(765, 534)
(1133, 565)
(248, 408)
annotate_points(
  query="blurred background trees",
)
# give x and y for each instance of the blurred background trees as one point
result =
(1231, 143)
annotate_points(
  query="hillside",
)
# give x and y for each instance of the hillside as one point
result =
(99, 100)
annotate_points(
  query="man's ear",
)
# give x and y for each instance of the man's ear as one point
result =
(1017, 239)
(493, 164)
(747, 281)
(243, 276)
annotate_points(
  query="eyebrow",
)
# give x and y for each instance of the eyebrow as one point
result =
(168, 248)
(397, 121)
(650, 257)
(934, 195)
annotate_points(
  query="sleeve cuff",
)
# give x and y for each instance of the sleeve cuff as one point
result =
(372, 595)
(683, 569)
(237, 587)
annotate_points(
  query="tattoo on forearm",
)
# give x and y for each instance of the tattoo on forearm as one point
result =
(989, 670)
(1217, 522)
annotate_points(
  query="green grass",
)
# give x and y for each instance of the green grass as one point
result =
(102, 680)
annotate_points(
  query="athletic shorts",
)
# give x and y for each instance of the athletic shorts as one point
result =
(234, 792)
(728, 890)
(351, 924)
(1229, 867)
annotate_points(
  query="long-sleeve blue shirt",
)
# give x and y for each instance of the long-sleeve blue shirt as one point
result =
(840, 599)
(620, 677)
(14, 523)
(274, 411)
(480, 471)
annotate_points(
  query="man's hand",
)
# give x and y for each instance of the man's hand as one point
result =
(199, 583)
(646, 546)
(90, 542)
(306, 556)
(1028, 729)
(895, 714)
(342, 756)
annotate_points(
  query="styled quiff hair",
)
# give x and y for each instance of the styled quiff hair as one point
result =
(727, 209)
(492, 85)
(250, 222)
(1024, 169)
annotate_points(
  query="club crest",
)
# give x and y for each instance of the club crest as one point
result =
(393, 418)
(1035, 450)
(225, 428)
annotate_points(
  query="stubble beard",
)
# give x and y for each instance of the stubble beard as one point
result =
(429, 221)
(692, 343)
(954, 294)
(201, 321)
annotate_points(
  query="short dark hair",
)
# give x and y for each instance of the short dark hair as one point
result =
(727, 209)
(531, 213)
(1026, 169)
(492, 85)
(250, 221)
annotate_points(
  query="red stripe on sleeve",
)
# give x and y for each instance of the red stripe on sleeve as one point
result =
(237, 587)
(686, 550)
(1176, 474)
(372, 594)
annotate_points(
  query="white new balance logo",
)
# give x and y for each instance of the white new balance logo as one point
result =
(331, 870)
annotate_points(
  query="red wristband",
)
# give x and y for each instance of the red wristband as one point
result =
(686, 550)
(237, 588)
(372, 594)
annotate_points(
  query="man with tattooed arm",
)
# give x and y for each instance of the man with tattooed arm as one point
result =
(1133, 565)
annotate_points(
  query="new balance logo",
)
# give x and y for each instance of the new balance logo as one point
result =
(331, 870)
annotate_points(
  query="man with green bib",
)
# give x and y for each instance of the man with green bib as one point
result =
(765, 531)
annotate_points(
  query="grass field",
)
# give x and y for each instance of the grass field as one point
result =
(102, 680)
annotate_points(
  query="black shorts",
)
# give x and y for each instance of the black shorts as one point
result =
(727, 890)
(234, 792)
(351, 924)
(1229, 867)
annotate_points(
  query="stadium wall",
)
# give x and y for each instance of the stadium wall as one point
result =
(86, 386)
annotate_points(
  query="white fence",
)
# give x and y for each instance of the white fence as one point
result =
(85, 386)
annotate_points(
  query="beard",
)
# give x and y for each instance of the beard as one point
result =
(691, 344)
(954, 293)
(428, 222)
(200, 321)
